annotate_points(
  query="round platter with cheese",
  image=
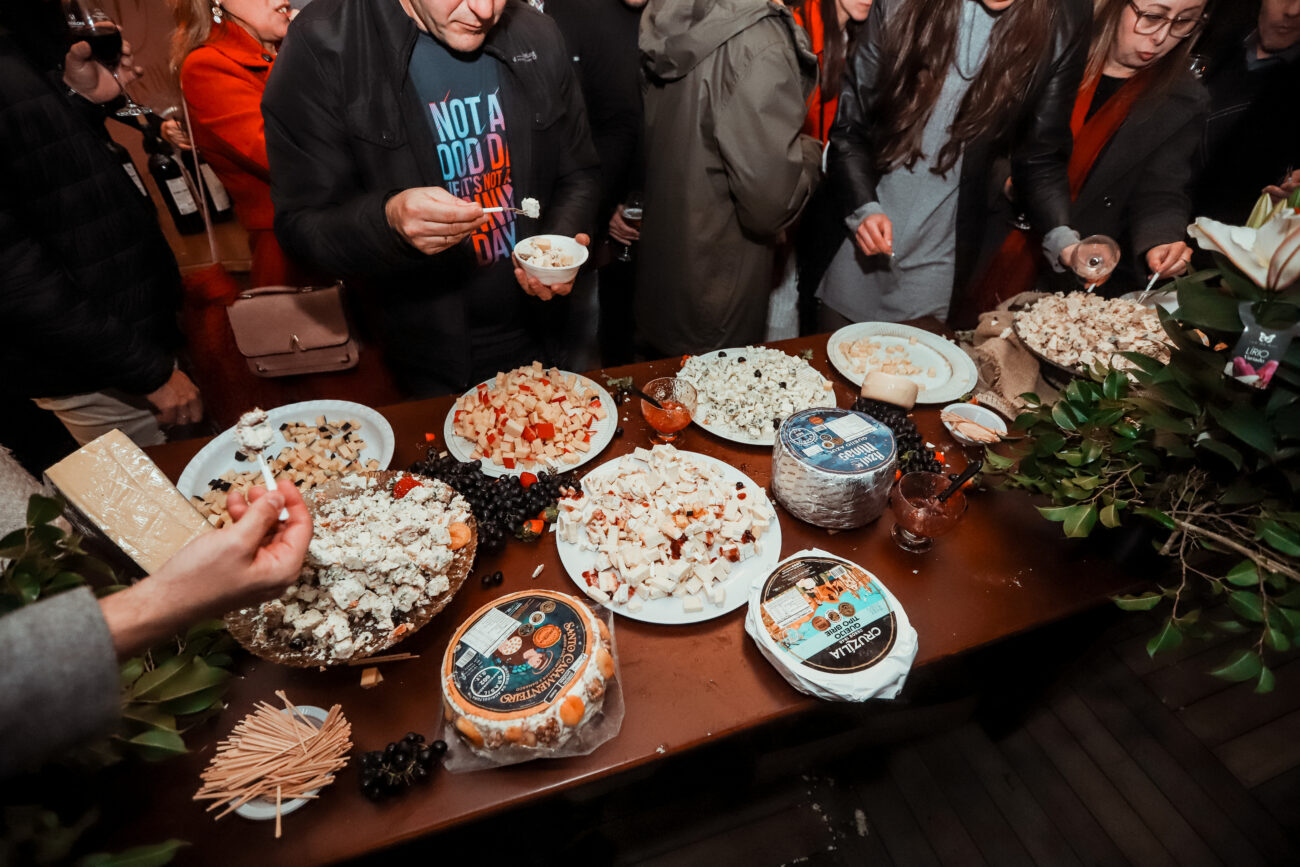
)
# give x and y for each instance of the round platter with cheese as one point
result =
(746, 392)
(665, 536)
(531, 419)
(940, 369)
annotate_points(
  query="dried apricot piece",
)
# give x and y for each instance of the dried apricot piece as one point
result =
(605, 663)
(571, 711)
(460, 535)
(469, 731)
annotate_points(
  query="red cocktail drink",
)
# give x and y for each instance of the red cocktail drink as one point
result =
(676, 404)
(919, 516)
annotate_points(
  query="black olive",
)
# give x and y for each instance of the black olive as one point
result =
(782, 384)
(758, 373)
(240, 456)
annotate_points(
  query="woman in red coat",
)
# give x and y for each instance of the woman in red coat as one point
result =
(224, 50)
(223, 68)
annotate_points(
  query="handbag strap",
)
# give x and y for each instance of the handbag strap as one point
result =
(285, 290)
(197, 183)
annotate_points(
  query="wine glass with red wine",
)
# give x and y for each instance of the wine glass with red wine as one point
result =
(88, 23)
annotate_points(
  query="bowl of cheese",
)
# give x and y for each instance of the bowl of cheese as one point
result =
(551, 259)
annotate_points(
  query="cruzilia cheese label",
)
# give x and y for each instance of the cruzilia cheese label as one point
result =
(838, 440)
(829, 614)
(520, 654)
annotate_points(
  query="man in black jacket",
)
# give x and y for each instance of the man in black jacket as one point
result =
(391, 125)
(1252, 138)
(89, 288)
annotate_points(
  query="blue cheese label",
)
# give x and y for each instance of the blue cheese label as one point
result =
(828, 614)
(838, 440)
(519, 654)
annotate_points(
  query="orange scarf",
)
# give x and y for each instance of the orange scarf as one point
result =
(1015, 267)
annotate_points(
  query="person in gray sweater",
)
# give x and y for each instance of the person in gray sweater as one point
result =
(59, 684)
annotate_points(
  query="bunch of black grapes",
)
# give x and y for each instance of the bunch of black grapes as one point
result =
(500, 504)
(399, 766)
(913, 456)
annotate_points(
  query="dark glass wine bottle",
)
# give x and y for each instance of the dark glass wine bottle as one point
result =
(123, 156)
(181, 201)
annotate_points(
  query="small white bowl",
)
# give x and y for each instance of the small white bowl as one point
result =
(551, 276)
(260, 809)
(978, 414)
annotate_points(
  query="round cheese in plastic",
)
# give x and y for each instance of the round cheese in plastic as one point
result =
(831, 628)
(528, 670)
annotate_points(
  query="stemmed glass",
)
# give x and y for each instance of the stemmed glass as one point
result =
(919, 514)
(677, 400)
(91, 24)
(632, 210)
(1093, 260)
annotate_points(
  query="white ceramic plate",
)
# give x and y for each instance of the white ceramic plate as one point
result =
(769, 439)
(260, 809)
(668, 610)
(219, 454)
(601, 435)
(954, 373)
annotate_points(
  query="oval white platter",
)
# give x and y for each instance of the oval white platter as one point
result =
(668, 610)
(954, 372)
(602, 434)
(219, 455)
(727, 432)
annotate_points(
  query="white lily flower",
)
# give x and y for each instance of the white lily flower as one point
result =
(1269, 255)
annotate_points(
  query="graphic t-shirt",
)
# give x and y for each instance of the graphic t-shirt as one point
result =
(462, 93)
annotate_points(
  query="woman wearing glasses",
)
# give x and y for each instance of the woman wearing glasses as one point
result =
(1137, 121)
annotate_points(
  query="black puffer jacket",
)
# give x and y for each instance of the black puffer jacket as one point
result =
(1038, 136)
(345, 131)
(88, 287)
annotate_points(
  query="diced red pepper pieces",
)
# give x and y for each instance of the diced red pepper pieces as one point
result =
(430, 437)
(404, 485)
(508, 463)
(524, 387)
(527, 479)
(491, 437)
(545, 430)
(530, 434)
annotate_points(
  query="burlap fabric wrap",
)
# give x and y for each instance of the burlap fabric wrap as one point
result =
(1007, 369)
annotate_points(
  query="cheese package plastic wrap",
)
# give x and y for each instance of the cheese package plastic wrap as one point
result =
(833, 467)
(831, 628)
(529, 675)
(114, 484)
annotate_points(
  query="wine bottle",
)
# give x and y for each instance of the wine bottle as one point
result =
(123, 156)
(219, 207)
(181, 201)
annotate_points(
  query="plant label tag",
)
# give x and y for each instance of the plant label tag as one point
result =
(1259, 350)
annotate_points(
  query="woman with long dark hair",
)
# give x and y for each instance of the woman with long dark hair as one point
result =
(832, 27)
(1137, 121)
(933, 87)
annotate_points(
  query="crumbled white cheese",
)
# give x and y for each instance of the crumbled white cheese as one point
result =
(749, 392)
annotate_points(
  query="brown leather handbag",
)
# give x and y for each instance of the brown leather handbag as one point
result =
(286, 330)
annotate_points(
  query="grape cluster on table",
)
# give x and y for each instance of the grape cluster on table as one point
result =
(500, 504)
(913, 456)
(399, 766)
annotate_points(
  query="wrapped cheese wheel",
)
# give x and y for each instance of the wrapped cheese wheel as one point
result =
(831, 628)
(889, 388)
(833, 467)
(525, 673)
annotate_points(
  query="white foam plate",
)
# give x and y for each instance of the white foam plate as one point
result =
(601, 435)
(769, 439)
(955, 373)
(219, 455)
(668, 610)
(259, 809)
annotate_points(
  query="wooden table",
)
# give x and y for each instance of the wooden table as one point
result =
(1004, 570)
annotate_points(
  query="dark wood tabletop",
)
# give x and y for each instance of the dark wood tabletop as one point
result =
(1004, 570)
